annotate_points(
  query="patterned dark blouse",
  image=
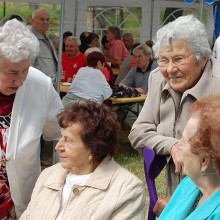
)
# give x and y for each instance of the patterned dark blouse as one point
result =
(6, 204)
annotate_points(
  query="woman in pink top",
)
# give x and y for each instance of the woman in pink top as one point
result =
(117, 51)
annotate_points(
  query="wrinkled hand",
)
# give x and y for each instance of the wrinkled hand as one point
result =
(160, 205)
(176, 155)
(140, 90)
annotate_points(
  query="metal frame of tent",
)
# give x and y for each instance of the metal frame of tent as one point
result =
(76, 7)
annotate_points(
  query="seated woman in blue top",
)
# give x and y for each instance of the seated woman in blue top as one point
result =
(198, 195)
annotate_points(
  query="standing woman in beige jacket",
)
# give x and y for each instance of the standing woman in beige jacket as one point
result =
(186, 73)
(88, 183)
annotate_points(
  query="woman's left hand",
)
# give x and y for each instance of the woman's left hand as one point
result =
(176, 155)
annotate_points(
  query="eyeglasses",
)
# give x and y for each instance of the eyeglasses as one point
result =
(176, 61)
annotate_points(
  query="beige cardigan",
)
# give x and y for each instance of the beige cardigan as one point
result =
(110, 193)
(165, 114)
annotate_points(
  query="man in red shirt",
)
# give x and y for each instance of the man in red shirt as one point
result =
(72, 59)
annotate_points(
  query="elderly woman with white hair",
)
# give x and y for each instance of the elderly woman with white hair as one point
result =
(28, 108)
(186, 73)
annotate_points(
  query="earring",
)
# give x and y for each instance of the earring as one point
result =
(202, 173)
(90, 159)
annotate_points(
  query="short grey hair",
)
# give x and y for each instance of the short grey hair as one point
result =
(92, 49)
(37, 11)
(146, 50)
(188, 29)
(72, 38)
(17, 42)
(127, 35)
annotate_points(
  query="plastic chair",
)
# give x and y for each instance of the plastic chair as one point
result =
(153, 164)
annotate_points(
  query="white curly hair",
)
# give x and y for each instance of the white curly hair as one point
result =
(17, 42)
(188, 29)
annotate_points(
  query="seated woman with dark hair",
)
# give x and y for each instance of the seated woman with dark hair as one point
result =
(197, 196)
(65, 36)
(84, 42)
(89, 82)
(107, 70)
(88, 183)
(93, 40)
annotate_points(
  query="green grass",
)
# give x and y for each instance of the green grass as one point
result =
(132, 161)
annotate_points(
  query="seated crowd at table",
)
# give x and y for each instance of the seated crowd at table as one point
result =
(176, 74)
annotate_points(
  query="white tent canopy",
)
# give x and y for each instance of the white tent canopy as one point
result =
(76, 11)
(73, 15)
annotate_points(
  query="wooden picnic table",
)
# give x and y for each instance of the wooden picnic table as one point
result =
(64, 87)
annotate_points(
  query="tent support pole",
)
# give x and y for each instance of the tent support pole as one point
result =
(59, 68)
(75, 19)
(201, 10)
(151, 19)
